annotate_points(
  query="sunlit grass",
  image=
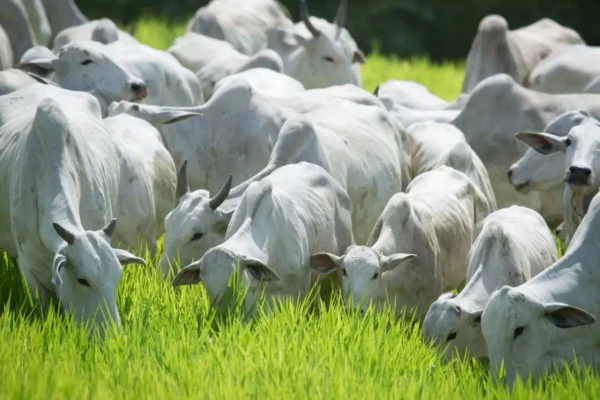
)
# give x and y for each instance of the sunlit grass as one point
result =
(174, 346)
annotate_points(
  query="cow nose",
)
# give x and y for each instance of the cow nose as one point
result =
(139, 89)
(585, 171)
(509, 174)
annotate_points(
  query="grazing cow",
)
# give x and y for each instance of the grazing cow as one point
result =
(549, 320)
(497, 50)
(581, 166)
(408, 94)
(297, 211)
(6, 53)
(194, 51)
(242, 23)
(102, 30)
(568, 70)
(418, 247)
(317, 53)
(265, 81)
(495, 111)
(514, 244)
(358, 145)
(62, 14)
(234, 133)
(433, 144)
(60, 167)
(220, 68)
(118, 72)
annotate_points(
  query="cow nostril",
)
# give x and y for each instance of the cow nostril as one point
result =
(136, 87)
(509, 173)
(587, 171)
(572, 169)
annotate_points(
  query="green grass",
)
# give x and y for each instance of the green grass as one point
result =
(173, 346)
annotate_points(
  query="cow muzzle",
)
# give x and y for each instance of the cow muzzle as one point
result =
(578, 175)
(522, 187)
(139, 90)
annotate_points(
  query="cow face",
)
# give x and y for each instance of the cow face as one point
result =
(86, 273)
(88, 66)
(362, 270)
(196, 225)
(526, 333)
(454, 328)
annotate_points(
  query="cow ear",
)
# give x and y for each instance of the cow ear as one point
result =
(126, 258)
(163, 115)
(387, 263)
(565, 316)
(57, 265)
(189, 275)
(543, 143)
(325, 263)
(47, 64)
(259, 270)
(359, 57)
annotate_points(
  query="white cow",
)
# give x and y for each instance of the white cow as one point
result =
(16, 25)
(360, 146)
(265, 81)
(283, 219)
(418, 247)
(318, 53)
(567, 70)
(495, 111)
(146, 185)
(60, 167)
(234, 133)
(194, 50)
(6, 53)
(243, 23)
(14, 79)
(408, 94)
(212, 73)
(101, 30)
(433, 144)
(119, 71)
(497, 50)
(62, 14)
(514, 244)
(549, 319)
(581, 166)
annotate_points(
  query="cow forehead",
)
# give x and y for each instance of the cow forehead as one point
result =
(361, 258)
(588, 131)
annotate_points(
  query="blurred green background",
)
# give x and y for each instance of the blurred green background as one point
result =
(440, 29)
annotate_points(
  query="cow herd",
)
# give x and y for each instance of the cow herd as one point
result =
(251, 146)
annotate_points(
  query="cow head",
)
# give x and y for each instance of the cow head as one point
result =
(526, 333)
(362, 270)
(195, 225)
(454, 328)
(317, 53)
(86, 272)
(544, 172)
(217, 266)
(88, 66)
(582, 148)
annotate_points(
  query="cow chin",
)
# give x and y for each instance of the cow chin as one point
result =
(523, 188)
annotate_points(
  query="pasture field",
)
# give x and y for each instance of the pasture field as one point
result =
(172, 345)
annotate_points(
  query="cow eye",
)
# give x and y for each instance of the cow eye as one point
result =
(329, 59)
(451, 336)
(83, 282)
(568, 142)
(86, 62)
(344, 272)
(375, 275)
(196, 236)
(518, 332)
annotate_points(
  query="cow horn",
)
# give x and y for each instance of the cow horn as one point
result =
(220, 197)
(64, 234)
(341, 14)
(110, 227)
(305, 16)
(182, 183)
